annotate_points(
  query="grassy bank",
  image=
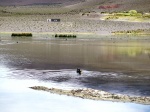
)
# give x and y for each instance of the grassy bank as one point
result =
(131, 15)
(133, 32)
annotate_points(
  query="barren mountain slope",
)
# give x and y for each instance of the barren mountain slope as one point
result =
(63, 6)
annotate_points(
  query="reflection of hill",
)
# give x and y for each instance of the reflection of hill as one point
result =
(147, 51)
(130, 51)
(133, 50)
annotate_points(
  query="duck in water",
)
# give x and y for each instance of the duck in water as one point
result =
(78, 71)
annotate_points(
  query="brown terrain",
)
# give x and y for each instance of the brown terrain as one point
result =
(77, 17)
(73, 6)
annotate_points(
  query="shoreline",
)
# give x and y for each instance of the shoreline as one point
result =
(81, 33)
(88, 93)
(30, 100)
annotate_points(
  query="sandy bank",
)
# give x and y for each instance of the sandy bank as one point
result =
(95, 95)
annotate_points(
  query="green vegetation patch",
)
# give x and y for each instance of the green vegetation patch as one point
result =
(146, 15)
(131, 15)
(65, 36)
(21, 34)
(129, 31)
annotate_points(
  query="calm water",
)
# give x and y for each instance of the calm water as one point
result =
(15, 96)
(114, 66)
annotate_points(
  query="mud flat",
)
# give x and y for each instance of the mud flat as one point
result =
(93, 94)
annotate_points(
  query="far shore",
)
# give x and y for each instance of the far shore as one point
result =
(80, 34)
(70, 24)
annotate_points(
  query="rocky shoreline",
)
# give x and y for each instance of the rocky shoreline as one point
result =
(93, 94)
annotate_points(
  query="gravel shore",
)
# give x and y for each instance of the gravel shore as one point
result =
(95, 95)
(68, 24)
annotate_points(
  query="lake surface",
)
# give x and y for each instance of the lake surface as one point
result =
(15, 96)
(114, 66)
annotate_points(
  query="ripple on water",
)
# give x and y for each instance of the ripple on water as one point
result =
(108, 81)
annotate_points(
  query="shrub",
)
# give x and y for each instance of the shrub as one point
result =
(133, 11)
(65, 36)
(21, 34)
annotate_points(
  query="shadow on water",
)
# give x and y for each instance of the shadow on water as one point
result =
(107, 81)
(114, 84)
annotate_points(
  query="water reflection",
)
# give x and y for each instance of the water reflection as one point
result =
(129, 60)
(147, 51)
(121, 67)
(61, 54)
